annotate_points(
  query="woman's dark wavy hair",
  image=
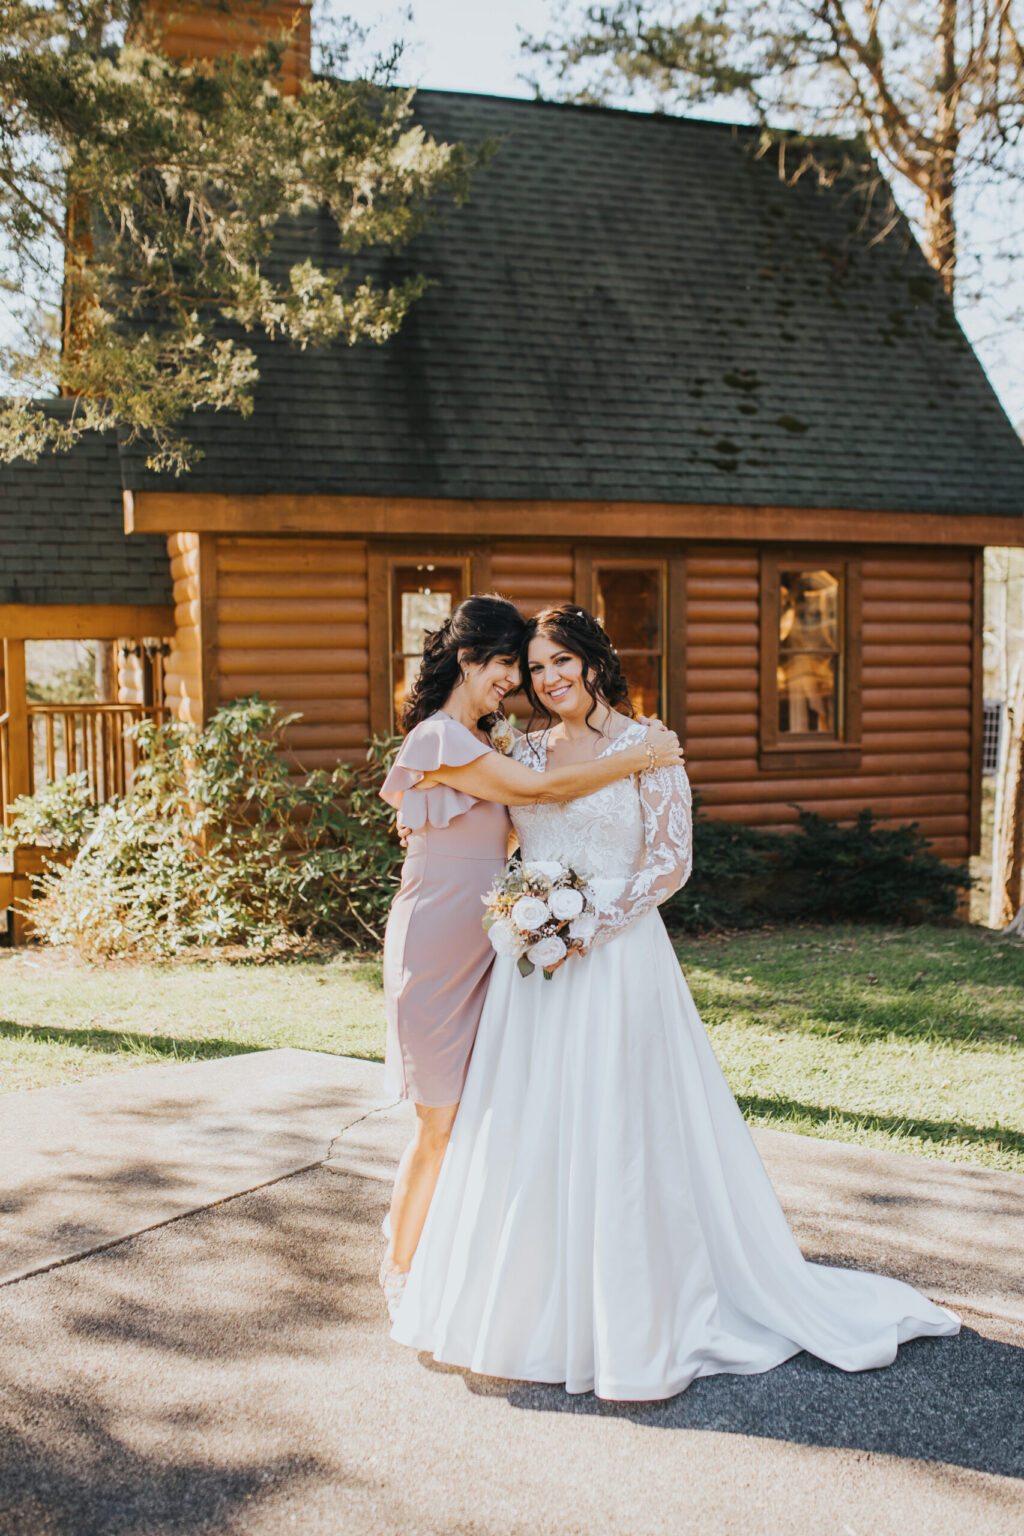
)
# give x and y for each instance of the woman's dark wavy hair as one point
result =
(484, 626)
(579, 632)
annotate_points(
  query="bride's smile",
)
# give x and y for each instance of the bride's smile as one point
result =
(558, 682)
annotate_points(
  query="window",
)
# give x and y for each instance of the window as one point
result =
(629, 600)
(642, 605)
(992, 737)
(422, 597)
(810, 663)
(810, 652)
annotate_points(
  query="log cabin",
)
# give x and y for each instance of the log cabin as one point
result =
(654, 375)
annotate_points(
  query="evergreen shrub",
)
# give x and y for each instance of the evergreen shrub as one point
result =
(743, 876)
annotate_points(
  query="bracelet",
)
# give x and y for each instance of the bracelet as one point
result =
(652, 761)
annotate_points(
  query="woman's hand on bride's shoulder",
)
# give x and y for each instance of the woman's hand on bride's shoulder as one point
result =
(665, 745)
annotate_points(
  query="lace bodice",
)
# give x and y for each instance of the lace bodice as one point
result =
(633, 838)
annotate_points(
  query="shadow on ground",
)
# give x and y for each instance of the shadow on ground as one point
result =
(944, 1133)
(231, 1373)
(943, 1400)
(114, 1042)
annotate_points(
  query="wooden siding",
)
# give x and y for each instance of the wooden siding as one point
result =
(533, 576)
(916, 700)
(183, 686)
(131, 688)
(187, 31)
(291, 618)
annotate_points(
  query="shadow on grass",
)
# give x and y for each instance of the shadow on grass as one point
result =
(124, 1042)
(942, 1133)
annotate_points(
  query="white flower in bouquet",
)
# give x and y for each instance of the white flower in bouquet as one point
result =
(502, 736)
(530, 913)
(583, 928)
(505, 938)
(543, 872)
(565, 903)
(547, 951)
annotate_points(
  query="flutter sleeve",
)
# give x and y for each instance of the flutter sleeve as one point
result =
(668, 853)
(434, 743)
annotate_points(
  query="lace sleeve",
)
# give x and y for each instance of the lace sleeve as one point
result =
(668, 854)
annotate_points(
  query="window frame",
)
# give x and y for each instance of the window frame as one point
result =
(785, 752)
(591, 558)
(381, 563)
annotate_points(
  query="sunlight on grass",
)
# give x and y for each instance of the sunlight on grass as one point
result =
(910, 1039)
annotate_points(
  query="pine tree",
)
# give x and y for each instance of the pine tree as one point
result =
(139, 199)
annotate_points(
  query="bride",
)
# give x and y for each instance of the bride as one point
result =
(602, 1217)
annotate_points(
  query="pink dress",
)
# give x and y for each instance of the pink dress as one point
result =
(437, 957)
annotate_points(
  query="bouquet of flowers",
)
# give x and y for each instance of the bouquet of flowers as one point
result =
(538, 913)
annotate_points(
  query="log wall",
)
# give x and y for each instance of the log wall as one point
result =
(288, 618)
(183, 683)
(916, 697)
(533, 576)
(291, 619)
(130, 682)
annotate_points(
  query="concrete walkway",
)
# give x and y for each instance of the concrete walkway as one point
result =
(92, 1163)
(231, 1372)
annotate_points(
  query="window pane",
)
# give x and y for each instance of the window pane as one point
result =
(629, 607)
(808, 611)
(643, 673)
(807, 693)
(423, 596)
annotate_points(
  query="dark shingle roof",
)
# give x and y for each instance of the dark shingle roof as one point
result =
(62, 534)
(633, 307)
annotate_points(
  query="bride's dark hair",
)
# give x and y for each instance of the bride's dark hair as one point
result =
(482, 627)
(579, 632)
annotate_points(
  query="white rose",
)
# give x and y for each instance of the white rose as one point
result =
(565, 903)
(529, 913)
(547, 951)
(606, 891)
(505, 937)
(584, 928)
(545, 871)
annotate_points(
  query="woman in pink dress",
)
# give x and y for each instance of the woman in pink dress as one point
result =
(451, 788)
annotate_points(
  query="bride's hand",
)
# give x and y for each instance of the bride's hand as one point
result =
(665, 746)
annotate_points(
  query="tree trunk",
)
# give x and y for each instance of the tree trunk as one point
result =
(1008, 842)
(939, 214)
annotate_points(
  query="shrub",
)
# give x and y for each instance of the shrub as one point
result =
(887, 874)
(743, 876)
(59, 816)
(219, 842)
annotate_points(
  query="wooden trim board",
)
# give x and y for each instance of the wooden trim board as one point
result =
(85, 621)
(430, 517)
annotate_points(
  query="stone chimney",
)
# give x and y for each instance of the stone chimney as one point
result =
(207, 29)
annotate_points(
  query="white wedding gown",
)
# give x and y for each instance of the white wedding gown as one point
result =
(602, 1217)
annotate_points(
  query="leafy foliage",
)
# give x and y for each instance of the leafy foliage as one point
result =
(219, 842)
(743, 876)
(60, 816)
(139, 199)
(886, 874)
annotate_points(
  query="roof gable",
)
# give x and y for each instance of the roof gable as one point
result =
(635, 308)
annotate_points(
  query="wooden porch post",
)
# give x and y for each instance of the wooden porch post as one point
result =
(19, 743)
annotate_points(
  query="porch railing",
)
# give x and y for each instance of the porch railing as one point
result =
(75, 738)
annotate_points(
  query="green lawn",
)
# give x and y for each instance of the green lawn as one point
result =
(908, 1039)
